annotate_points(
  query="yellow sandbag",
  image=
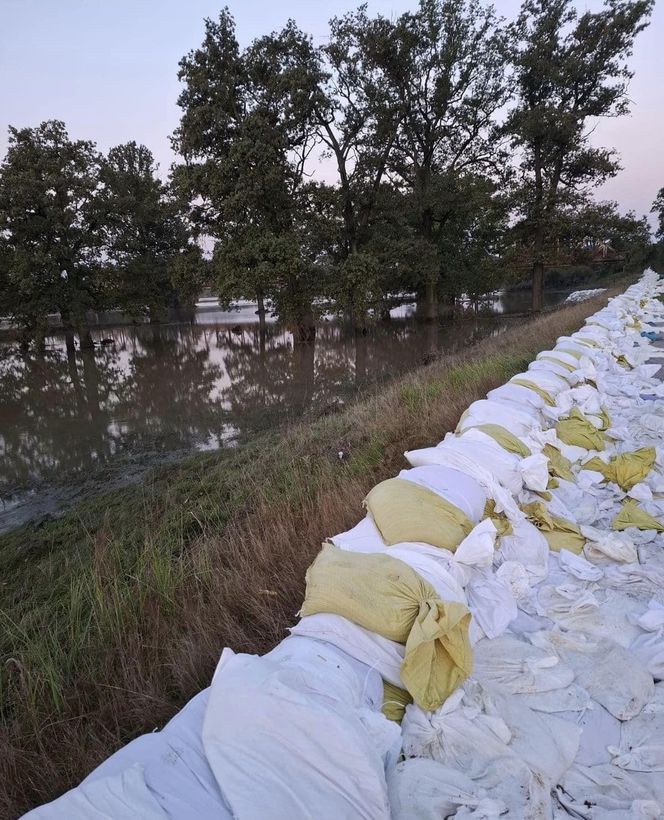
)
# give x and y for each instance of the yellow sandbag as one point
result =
(499, 520)
(386, 596)
(395, 701)
(578, 431)
(606, 419)
(508, 441)
(559, 532)
(553, 359)
(626, 469)
(559, 466)
(540, 392)
(405, 511)
(631, 515)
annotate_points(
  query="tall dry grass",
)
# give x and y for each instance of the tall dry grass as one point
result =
(114, 616)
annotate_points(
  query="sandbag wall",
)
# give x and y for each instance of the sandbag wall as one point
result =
(487, 642)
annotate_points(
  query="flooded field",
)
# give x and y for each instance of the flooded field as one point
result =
(76, 424)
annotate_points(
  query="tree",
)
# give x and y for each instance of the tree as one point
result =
(146, 242)
(358, 118)
(658, 208)
(246, 131)
(570, 69)
(451, 77)
(50, 227)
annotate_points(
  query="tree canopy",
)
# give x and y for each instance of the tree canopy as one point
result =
(440, 152)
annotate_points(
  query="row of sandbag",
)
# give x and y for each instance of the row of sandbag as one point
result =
(448, 602)
(425, 585)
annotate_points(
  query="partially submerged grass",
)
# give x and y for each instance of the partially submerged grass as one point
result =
(114, 615)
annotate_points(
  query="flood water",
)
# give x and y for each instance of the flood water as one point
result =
(78, 424)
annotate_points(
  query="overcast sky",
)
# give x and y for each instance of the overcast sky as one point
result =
(108, 68)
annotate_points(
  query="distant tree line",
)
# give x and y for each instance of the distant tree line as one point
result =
(460, 143)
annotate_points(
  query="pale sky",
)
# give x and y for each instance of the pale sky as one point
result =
(108, 68)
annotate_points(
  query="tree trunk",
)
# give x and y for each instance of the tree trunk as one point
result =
(538, 286)
(431, 301)
(360, 358)
(91, 380)
(260, 299)
(304, 373)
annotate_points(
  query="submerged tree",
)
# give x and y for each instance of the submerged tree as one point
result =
(358, 117)
(450, 74)
(51, 231)
(246, 131)
(152, 266)
(570, 69)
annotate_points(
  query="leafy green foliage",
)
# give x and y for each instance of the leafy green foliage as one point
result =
(569, 69)
(152, 266)
(52, 236)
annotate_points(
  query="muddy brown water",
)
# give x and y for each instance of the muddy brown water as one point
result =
(74, 425)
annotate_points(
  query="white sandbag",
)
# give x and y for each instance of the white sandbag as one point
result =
(122, 796)
(377, 652)
(559, 355)
(569, 700)
(452, 485)
(492, 603)
(550, 382)
(535, 472)
(600, 614)
(578, 567)
(518, 394)
(549, 366)
(617, 546)
(528, 547)
(423, 789)
(649, 645)
(291, 734)
(463, 737)
(641, 746)
(547, 744)
(363, 537)
(509, 665)
(613, 676)
(448, 455)
(493, 412)
(478, 547)
(593, 791)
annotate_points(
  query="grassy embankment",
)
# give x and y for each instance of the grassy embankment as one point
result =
(114, 615)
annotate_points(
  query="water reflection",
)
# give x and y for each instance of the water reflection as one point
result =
(73, 423)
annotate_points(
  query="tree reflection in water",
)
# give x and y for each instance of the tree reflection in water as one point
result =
(93, 419)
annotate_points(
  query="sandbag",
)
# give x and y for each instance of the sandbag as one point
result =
(455, 486)
(395, 700)
(626, 469)
(507, 440)
(512, 666)
(559, 532)
(631, 515)
(386, 596)
(559, 466)
(541, 392)
(579, 432)
(423, 789)
(484, 411)
(298, 733)
(612, 675)
(405, 511)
